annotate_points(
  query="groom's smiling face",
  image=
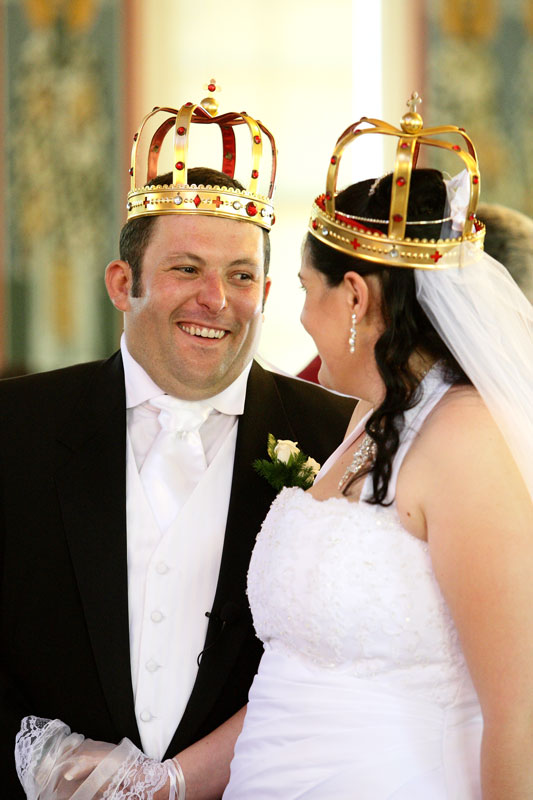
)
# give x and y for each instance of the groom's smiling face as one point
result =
(196, 323)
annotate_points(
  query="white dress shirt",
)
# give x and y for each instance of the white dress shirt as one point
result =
(143, 425)
(172, 577)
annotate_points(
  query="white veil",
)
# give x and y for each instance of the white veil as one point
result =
(487, 324)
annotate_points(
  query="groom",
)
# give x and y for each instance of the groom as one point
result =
(104, 602)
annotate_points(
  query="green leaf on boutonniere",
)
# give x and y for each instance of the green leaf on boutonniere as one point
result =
(288, 466)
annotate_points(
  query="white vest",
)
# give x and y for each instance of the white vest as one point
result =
(172, 580)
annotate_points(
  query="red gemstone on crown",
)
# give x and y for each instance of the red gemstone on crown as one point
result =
(212, 87)
(471, 216)
(355, 243)
(435, 256)
(181, 131)
(333, 159)
(404, 145)
(135, 137)
(257, 139)
(130, 171)
(456, 147)
(146, 202)
(180, 165)
(255, 173)
(197, 200)
(475, 179)
(188, 105)
(328, 195)
(397, 218)
(273, 218)
(218, 201)
(400, 182)
(314, 224)
(251, 209)
(462, 129)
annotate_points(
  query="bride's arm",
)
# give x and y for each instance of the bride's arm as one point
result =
(205, 764)
(55, 764)
(480, 531)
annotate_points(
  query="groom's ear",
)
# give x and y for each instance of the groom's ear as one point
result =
(118, 281)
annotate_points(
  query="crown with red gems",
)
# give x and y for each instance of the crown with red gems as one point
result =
(355, 235)
(182, 198)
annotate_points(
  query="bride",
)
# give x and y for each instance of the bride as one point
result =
(394, 598)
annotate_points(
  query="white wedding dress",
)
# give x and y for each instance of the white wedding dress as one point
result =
(363, 692)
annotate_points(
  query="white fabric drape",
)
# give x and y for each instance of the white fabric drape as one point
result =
(487, 323)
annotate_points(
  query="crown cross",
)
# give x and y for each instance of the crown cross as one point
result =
(414, 101)
(396, 248)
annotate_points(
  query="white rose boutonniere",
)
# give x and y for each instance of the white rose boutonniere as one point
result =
(284, 449)
(288, 466)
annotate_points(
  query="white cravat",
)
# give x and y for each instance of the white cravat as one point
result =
(176, 460)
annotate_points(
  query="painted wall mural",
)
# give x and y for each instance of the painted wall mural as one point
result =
(63, 136)
(479, 74)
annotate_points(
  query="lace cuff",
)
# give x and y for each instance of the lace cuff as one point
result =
(55, 764)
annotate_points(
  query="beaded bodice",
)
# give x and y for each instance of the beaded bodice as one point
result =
(344, 586)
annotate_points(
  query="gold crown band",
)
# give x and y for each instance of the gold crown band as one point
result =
(221, 201)
(378, 247)
(342, 231)
(183, 198)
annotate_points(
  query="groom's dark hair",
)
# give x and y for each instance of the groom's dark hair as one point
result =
(136, 233)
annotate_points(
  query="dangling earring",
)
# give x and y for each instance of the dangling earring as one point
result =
(353, 334)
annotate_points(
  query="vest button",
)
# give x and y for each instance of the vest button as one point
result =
(145, 716)
(161, 568)
(156, 616)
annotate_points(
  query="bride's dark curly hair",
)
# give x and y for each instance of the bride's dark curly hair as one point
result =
(408, 329)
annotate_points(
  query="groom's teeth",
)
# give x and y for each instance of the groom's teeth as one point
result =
(206, 333)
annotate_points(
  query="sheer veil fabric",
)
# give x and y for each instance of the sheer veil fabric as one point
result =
(487, 323)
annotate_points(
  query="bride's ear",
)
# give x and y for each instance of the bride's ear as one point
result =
(357, 294)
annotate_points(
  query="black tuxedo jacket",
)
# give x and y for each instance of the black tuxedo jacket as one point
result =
(64, 609)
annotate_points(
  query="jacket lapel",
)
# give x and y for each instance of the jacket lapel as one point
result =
(91, 484)
(250, 500)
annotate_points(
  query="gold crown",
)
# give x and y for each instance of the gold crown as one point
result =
(350, 233)
(183, 198)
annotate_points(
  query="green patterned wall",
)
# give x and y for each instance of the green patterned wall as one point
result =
(63, 134)
(479, 75)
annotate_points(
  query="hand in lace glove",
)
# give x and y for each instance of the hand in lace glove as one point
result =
(55, 764)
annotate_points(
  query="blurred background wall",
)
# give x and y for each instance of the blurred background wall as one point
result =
(78, 76)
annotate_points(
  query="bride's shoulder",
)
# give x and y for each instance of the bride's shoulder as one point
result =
(460, 409)
(460, 433)
(460, 465)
